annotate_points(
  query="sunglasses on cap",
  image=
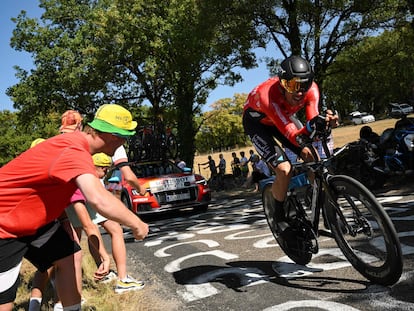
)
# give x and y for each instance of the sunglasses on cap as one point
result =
(296, 85)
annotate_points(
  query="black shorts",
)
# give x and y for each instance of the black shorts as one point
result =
(263, 138)
(49, 244)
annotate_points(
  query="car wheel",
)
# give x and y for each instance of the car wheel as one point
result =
(127, 202)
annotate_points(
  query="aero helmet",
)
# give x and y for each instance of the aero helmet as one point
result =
(295, 74)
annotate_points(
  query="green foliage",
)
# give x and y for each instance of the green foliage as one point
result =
(16, 137)
(170, 54)
(377, 71)
(222, 126)
(320, 30)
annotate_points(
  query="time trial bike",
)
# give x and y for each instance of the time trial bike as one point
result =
(340, 207)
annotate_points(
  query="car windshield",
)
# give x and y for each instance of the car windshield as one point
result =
(154, 169)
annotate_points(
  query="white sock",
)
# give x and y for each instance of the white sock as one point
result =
(34, 304)
(58, 306)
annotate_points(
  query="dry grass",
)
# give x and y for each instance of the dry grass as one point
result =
(98, 296)
(342, 135)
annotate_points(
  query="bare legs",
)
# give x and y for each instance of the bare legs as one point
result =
(118, 246)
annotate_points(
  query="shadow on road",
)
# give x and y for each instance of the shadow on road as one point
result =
(237, 275)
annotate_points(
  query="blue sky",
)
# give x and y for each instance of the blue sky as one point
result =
(10, 57)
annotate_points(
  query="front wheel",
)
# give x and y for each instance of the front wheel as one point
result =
(363, 231)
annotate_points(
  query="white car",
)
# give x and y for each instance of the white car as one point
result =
(361, 117)
(399, 110)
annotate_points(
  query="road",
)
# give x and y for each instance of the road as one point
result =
(227, 259)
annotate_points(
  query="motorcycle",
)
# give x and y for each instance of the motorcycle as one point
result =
(374, 158)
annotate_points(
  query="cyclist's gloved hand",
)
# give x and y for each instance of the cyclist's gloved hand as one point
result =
(317, 126)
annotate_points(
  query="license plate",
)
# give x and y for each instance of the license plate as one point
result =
(177, 197)
(168, 184)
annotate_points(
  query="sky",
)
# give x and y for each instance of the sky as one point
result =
(10, 57)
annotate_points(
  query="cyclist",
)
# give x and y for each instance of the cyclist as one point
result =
(269, 113)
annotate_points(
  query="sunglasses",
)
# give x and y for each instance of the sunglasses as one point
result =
(296, 85)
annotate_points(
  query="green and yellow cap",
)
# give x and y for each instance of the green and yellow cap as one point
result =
(114, 119)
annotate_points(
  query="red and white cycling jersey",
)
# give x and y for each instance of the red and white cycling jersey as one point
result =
(268, 98)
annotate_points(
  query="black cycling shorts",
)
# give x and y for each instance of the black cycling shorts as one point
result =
(263, 138)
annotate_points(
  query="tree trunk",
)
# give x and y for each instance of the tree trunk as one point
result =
(186, 129)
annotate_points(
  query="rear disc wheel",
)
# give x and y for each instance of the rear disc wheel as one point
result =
(301, 252)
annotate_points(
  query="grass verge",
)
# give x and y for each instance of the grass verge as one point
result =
(97, 296)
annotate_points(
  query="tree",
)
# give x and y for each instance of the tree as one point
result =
(16, 137)
(169, 54)
(222, 127)
(319, 30)
(373, 73)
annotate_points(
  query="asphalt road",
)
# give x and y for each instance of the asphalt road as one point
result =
(227, 259)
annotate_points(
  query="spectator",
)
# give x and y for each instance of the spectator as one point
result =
(222, 171)
(44, 178)
(180, 163)
(235, 165)
(71, 121)
(222, 165)
(120, 160)
(244, 166)
(81, 209)
(261, 171)
(251, 155)
(212, 165)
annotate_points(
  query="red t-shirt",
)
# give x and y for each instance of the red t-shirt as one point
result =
(269, 99)
(36, 187)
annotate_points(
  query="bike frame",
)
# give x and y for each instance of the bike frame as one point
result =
(320, 189)
(352, 216)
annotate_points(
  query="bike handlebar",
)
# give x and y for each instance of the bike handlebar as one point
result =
(321, 132)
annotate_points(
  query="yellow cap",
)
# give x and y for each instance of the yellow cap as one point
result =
(102, 159)
(114, 119)
(36, 141)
